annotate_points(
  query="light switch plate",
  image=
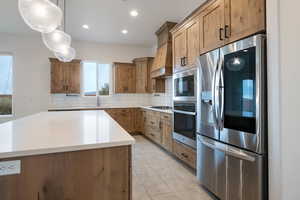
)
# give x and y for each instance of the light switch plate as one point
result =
(10, 167)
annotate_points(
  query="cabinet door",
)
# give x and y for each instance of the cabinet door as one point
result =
(166, 132)
(125, 78)
(244, 18)
(57, 78)
(72, 77)
(179, 49)
(193, 42)
(212, 26)
(141, 77)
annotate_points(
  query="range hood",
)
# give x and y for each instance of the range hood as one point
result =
(163, 61)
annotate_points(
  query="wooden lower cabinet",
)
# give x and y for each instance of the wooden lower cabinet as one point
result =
(166, 132)
(125, 117)
(185, 153)
(90, 174)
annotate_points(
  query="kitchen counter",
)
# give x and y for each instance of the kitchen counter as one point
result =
(169, 111)
(89, 108)
(53, 132)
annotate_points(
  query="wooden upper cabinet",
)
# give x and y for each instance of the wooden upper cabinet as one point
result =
(186, 44)
(143, 79)
(244, 18)
(73, 77)
(179, 49)
(125, 77)
(193, 42)
(65, 77)
(212, 26)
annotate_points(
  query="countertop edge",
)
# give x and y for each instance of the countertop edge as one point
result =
(103, 108)
(25, 153)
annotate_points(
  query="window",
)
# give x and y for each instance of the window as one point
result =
(6, 82)
(96, 79)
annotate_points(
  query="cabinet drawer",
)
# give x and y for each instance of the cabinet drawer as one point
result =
(153, 118)
(166, 117)
(185, 153)
(153, 133)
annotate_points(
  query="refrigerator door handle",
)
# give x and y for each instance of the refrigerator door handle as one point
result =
(214, 110)
(221, 94)
(237, 153)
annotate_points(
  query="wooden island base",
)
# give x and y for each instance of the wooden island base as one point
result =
(101, 174)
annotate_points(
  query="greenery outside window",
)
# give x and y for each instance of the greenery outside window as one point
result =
(96, 79)
(6, 84)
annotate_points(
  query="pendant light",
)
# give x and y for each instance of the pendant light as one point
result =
(64, 53)
(56, 40)
(67, 54)
(40, 15)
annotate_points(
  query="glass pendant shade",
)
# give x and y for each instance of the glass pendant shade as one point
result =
(66, 55)
(40, 15)
(57, 40)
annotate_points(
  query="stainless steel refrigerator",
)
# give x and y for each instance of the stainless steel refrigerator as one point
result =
(232, 121)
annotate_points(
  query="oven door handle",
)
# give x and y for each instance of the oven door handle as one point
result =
(228, 150)
(184, 112)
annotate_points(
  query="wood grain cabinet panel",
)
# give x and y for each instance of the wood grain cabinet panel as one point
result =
(179, 50)
(92, 174)
(125, 77)
(166, 131)
(193, 42)
(125, 117)
(244, 18)
(143, 74)
(65, 77)
(185, 153)
(212, 26)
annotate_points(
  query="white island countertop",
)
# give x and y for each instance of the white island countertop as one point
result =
(54, 132)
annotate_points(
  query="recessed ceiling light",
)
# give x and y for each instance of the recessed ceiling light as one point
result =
(85, 26)
(124, 31)
(134, 13)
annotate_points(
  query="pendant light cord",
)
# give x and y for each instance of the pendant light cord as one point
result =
(64, 10)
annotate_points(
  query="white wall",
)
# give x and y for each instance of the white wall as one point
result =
(290, 97)
(284, 98)
(31, 73)
(32, 68)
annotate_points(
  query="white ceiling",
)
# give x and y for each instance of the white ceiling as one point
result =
(107, 18)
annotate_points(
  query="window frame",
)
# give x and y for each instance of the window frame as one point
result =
(97, 78)
(12, 85)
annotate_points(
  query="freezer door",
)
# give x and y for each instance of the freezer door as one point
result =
(231, 173)
(207, 121)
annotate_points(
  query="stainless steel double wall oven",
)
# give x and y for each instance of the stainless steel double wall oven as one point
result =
(185, 106)
(232, 121)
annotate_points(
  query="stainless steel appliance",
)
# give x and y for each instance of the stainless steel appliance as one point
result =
(185, 86)
(232, 121)
(184, 123)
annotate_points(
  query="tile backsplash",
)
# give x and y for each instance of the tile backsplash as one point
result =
(115, 100)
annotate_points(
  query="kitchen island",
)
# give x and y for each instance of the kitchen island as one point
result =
(65, 156)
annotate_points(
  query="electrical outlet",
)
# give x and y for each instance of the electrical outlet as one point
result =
(10, 167)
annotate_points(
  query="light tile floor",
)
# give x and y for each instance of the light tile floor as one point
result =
(158, 176)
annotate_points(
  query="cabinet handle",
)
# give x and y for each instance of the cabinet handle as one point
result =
(160, 125)
(227, 33)
(221, 33)
(181, 61)
(184, 155)
(185, 61)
